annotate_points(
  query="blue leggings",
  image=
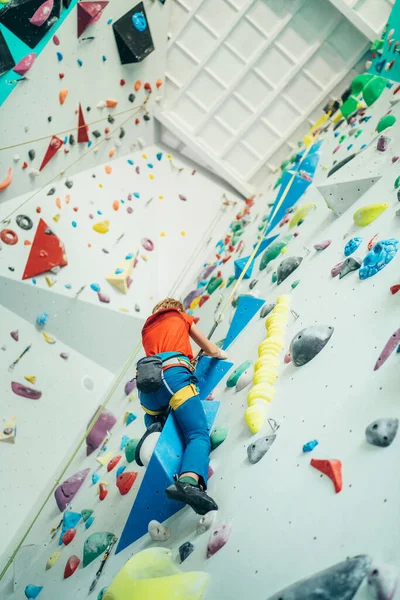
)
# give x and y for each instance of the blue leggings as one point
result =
(191, 419)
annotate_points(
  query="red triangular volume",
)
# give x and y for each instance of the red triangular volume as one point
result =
(82, 128)
(54, 146)
(332, 469)
(46, 252)
(88, 13)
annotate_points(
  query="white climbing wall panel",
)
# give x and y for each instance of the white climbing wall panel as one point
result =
(243, 76)
(369, 16)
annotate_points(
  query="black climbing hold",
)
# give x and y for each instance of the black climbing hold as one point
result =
(96, 133)
(259, 448)
(398, 195)
(24, 222)
(266, 309)
(88, 109)
(287, 266)
(110, 119)
(69, 183)
(32, 154)
(11, 269)
(71, 139)
(51, 191)
(338, 124)
(15, 17)
(49, 119)
(340, 164)
(48, 231)
(349, 265)
(131, 97)
(122, 133)
(185, 550)
(340, 582)
(253, 283)
(6, 59)
(133, 46)
(308, 343)
(382, 432)
(67, 3)
(146, 117)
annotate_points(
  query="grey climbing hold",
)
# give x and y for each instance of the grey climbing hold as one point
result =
(266, 309)
(69, 183)
(340, 582)
(253, 283)
(308, 343)
(245, 379)
(382, 582)
(122, 133)
(382, 432)
(287, 266)
(131, 97)
(185, 550)
(96, 133)
(349, 265)
(259, 448)
(51, 191)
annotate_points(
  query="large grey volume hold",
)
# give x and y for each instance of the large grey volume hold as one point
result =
(308, 343)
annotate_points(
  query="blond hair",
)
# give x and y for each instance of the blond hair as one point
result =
(169, 303)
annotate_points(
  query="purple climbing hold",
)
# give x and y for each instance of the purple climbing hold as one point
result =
(182, 197)
(103, 298)
(383, 143)
(322, 245)
(64, 355)
(15, 335)
(191, 296)
(104, 423)
(25, 391)
(66, 492)
(336, 269)
(218, 538)
(130, 386)
(390, 346)
(206, 272)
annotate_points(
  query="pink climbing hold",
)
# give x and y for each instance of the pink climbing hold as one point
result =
(285, 220)
(103, 298)
(336, 269)
(147, 244)
(15, 335)
(287, 358)
(182, 197)
(42, 14)
(218, 538)
(25, 64)
(336, 149)
(322, 245)
(24, 391)
(56, 40)
(390, 346)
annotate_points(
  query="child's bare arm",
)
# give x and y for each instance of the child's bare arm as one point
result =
(206, 345)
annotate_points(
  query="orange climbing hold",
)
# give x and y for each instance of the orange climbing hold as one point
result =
(62, 96)
(113, 463)
(138, 85)
(108, 169)
(111, 153)
(7, 180)
(115, 205)
(159, 83)
(125, 482)
(331, 468)
(111, 103)
(67, 199)
(58, 202)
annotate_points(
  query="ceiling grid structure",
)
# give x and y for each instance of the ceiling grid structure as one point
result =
(245, 76)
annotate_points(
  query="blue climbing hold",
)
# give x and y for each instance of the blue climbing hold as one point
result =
(42, 319)
(129, 256)
(246, 309)
(264, 244)
(65, 139)
(349, 147)
(104, 58)
(131, 162)
(33, 591)
(150, 165)
(89, 522)
(95, 287)
(119, 271)
(120, 469)
(336, 134)
(124, 441)
(95, 478)
(99, 212)
(74, 223)
(381, 254)
(240, 264)
(68, 286)
(35, 282)
(159, 156)
(209, 373)
(136, 194)
(352, 245)
(139, 21)
(59, 56)
(80, 63)
(363, 146)
(70, 520)
(109, 21)
(89, 143)
(130, 418)
(309, 447)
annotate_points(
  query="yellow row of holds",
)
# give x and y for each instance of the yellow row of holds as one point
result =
(265, 368)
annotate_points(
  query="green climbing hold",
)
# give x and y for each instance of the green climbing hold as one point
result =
(274, 277)
(261, 227)
(273, 251)
(218, 435)
(86, 513)
(220, 343)
(236, 226)
(285, 164)
(95, 545)
(376, 45)
(130, 450)
(265, 218)
(374, 89)
(278, 181)
(343, 137)
(385, 122)
(358, 132)
(295, 283)
(234, 377)
(349, 107)
(359, 82)
(397, 182)
(230, 281)
(214, 285)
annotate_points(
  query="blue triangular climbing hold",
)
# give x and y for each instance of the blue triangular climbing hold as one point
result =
(209, 373)
(295, 192)
(240, 264)
(151, 501)
(246, 308)
(264, 244)
(70, 520)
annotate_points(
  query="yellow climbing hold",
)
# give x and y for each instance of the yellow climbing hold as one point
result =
(169, 156)
(265, 374)
(50, 280)
(161, 197)
(120, 277)
(153, 574)
(284, 250)
(301, 214)
(151, 176)
(163, 234)
(103, 460)
(367, 214)
(266, 359)
(52, 560)
(194, 304)
(101, 226)
(30, 378)
(183, 233)
(260, 391)
(255, 417)
(144, 156)
(272, 345)
(56, 218)
(48, 338)
(284, 299)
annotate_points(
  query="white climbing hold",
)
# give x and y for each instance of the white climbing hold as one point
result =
(206, 522)
(158, 532)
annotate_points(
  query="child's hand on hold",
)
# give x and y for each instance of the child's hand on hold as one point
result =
(222, 355)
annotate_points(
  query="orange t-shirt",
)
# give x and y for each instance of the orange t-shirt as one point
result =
(167, 331)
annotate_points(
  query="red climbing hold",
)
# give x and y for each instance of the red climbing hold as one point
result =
(147, 87)
(47, 252)
(203, 299)
(332, 469)
(68, 536)
(72, 564)
(125, 481)
(122, 82)
(54, 146)
(82, 127)
(395, 288)
(113, 463)
(88, 13)
(102, 491)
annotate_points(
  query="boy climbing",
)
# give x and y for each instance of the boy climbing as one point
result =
(166, 380)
